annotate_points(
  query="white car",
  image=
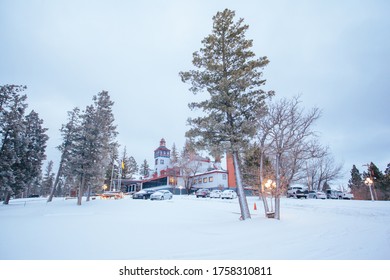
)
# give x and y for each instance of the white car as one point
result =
(316, 194)
(228, 194)
(161, 195)
(215, 194)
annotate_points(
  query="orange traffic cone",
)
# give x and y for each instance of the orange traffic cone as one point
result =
(254, 206)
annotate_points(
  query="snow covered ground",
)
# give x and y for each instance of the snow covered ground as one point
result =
(188, 228)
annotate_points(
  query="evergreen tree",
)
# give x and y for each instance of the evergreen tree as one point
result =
(174, 155)
(12, 108)
(94, 142)
(229, 72)
(129, 166)
(133, 167)
(386, 183)
(381, 186)
(69, 133)
(355, 183)
(374, 172)
(33, 151)
(387, 171)
(144, 169)
(251, 166)
(22, 142)
(356, 178)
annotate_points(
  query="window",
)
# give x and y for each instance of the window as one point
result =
(156, 162)
(200, 181)
(161, 161)
(211, 179)
(224, 176)
(204, 180)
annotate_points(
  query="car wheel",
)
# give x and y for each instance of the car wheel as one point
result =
(162, 198)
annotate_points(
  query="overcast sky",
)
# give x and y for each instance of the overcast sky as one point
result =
(335, 54)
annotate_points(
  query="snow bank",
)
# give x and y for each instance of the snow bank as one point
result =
(187, 228)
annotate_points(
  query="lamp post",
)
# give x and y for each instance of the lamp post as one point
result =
(369, 183)
(270, 185)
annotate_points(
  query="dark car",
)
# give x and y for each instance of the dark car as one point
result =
(143, 194)
(202, 193)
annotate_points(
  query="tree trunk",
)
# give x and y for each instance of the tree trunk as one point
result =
(81, 188)
(245, 214)
(56, 181)
(277, 194)
(88, 192)
(7, 197)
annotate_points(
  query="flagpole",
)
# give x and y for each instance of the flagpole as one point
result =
(112, 174)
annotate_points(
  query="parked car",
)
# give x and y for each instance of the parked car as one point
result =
(228, 194)
(334, 194)
(348, 196)
(316, 194)
(112, 194)
(161, 195)
(202, 193)
(143, 194)
(297, 192)
(215, 194)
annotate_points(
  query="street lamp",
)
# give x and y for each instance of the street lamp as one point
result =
(270, 185)
(180, 188)
(369, 183)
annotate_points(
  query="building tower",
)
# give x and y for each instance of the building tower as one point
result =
(162, 158)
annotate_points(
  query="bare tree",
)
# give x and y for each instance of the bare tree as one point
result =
(188, 165)
(321, 169)
(285, 133)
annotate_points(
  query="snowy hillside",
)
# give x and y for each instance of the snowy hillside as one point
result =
(190, 228)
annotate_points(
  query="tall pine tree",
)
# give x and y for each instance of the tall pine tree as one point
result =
(92, 144)
(33, 152)
(69, 132)
(22, 142)
(229, 72)
(12, 107)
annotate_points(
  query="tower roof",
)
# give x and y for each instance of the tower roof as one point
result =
(162, 146)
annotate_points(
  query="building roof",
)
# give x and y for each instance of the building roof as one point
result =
(162, 146)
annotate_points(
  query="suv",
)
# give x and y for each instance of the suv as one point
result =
(297, 192)
(202, 193)
(334, 194)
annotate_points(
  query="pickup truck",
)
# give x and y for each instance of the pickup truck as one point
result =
(297, 192)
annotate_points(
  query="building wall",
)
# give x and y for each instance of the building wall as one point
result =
(231, 172)
(210, 180)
